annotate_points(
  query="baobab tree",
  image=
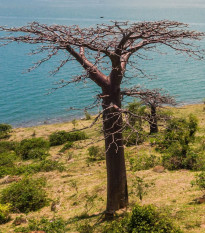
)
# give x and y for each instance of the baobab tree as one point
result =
(154, 99)
(105, 53)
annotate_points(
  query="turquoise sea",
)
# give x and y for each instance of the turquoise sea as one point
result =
(23, 96)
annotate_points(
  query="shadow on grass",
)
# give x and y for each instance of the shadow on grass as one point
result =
(84, 216)
(101, 218)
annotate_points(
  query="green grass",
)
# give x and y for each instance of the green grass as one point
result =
(81, 186)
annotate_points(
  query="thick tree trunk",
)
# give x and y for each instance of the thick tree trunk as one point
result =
(117, 194)
(153, 121)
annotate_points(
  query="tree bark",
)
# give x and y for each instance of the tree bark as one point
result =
(117, 194)
(153, 121)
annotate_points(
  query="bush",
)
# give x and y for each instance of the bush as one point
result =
(76, 136)
(44, 166)
(6, 163)
(25, 195)
(139, 110)
(50, 165)
(60, 137)
(67, 146)
(33, 148)
(144, 219)
(57, 225)
(4, 213)
(143, 162)
(175, 144)
(200, 181)
(37, 153)
(181, 131)
(5, 129)
(140, 187)
(6, 146)
(95, 153)
(134, 138)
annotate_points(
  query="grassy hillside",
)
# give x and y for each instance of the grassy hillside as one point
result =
(78, 193)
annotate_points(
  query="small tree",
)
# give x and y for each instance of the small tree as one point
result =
(154, 99)
(105, 52)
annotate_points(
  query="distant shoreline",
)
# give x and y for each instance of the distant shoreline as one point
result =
(64, 120)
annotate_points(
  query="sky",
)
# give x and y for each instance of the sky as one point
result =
(136, 3)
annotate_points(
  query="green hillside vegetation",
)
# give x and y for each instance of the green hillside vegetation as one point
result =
(54, 180)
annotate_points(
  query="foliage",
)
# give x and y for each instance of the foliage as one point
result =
(67, 146)
(56, 225)
(144, 219)
(136, 134)
(134, 138)
(140, 187)
(6, 163)
(5, 129)
(200, 181)
(95, 153)
(143, 161)
(43, 166)
(179, 130)
(139, 110)
(33, 148)
(8, 167)
(6, 146)
(4, 213)
(175, 144)
(25, 195)
(60, 137)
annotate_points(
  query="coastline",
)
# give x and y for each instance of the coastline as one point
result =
(44, 130)
(65, 120)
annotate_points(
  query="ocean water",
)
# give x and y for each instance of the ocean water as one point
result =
(23, 96)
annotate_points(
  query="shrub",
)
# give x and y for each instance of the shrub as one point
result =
(26, 195)
(140, 187)
(32, 148)
(6, 146)
(5, 129)
(134, 138)
(57, 225)
(6, 163)
(67, 146)
(181, 131)
(44, 166)
(144, 219)
(95, 153)
(60, 137)
(37, 153)
(4, 213)
(175, 144)
(76, 136)
(200, 181)
(138, 109)
(143, 161)
(50, 165)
